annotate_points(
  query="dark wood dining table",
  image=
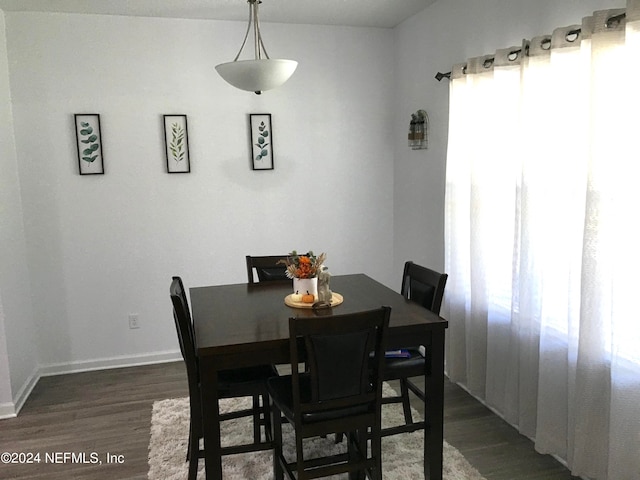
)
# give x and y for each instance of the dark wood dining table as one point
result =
(242, 325)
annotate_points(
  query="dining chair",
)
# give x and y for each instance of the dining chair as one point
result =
(425, 287)
(239, 382)
(266, 268)
(336, 392)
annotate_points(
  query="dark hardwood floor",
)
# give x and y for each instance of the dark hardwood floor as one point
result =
(490, 444)
(109, 412)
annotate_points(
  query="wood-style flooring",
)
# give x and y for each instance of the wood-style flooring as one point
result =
(109, 412)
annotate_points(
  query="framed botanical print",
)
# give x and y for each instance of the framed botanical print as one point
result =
(261, 141)
(176, 144)
(89, 144)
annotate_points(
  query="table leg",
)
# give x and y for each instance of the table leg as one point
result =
(210, 419)
(434, 408)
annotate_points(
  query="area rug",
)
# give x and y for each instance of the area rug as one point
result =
(402, 454)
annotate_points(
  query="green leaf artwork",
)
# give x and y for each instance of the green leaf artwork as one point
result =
(91, 141)
(262, 139)
(177, 142)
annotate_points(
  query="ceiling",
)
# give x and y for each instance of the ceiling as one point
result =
(360, 13)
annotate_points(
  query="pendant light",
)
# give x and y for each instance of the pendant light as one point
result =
(259, 74)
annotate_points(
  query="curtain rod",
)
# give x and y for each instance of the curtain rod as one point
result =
(611, 22)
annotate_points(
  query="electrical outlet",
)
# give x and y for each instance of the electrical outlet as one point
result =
(133, 321)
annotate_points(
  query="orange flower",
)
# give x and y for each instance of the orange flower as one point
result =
(303, 266)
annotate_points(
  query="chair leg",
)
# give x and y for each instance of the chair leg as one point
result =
(351, 450)
(376, 452)
(256, 419)
(189, 453)
(363, 440)
(194, 448)
(417, 391)
(266, 414)
(299, 457)
(406, 405)
(357, 449)
(276, 424)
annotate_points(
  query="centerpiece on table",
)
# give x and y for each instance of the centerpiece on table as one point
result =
(304, 270)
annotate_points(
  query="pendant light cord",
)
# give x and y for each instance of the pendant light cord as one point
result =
(258, 43)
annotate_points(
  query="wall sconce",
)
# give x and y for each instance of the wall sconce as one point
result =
(418, 129)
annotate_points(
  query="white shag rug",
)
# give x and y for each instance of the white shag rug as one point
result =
(402, 455)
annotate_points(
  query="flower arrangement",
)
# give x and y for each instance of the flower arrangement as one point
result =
(303, 266)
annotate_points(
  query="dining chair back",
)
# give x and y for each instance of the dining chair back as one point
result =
(424, 286)
(266, 268)
(231, 383)
(184, 328)
(339, 390)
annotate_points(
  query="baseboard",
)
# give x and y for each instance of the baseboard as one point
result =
(10, 410)
(109, 363)
(22, 395)
(7, 410)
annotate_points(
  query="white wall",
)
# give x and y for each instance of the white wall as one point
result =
(89, 250)
(101, 247)
(18, 351)
(446, 33)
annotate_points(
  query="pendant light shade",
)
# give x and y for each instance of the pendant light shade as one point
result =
(259, 74)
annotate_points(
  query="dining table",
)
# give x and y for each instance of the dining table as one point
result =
(242, 325)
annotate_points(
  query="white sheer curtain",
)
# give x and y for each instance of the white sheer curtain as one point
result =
(543, 239)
